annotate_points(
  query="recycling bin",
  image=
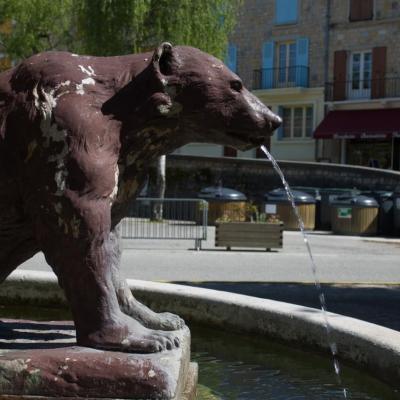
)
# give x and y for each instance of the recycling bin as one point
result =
(327, 196)
(224, 204)
(316, 193)
(386, 210)
(396, 213)
(276, 202)
(354, 215)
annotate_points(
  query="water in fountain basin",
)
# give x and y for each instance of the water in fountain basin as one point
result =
(332, 344)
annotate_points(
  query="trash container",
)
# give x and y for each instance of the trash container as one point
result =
(224, 204)
(277, 203)
(396, 213)
(315, 192)
(386, 210)
(354, 215)
(327, 195)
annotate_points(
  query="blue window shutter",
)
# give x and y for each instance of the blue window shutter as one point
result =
(231, 61)
(286, 11)
(302, 46)
(279, 132)
(267, 78)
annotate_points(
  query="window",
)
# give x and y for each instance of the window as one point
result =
(297, 122)
(286, 63)
(360, 74)
(286, 11)
(361, 10)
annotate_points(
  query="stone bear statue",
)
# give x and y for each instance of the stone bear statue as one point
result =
(77, 136)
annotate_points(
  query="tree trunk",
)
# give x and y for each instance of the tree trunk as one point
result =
(159, 189)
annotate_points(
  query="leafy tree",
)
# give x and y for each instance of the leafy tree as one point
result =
(111, 27)
(205, 24)
(31, 26)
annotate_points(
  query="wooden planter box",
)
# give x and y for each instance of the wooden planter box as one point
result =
(248, 234)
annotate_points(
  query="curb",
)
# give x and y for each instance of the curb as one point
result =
(370, 347)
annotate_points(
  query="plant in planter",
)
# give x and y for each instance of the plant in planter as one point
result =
(262, 231)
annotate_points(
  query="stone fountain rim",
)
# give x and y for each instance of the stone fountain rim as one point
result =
(371, 347)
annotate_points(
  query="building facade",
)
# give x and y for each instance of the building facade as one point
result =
(313, 62)
(362, 125)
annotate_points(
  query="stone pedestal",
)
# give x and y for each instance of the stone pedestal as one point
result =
(39, 359)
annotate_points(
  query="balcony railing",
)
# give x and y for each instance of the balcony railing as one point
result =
(277, 78)
(363, 89)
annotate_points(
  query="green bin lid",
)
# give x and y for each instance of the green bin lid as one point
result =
(219, 193)
(378, 194)
(279, 196)
(354, 201)
(339, 191)
(313, 191)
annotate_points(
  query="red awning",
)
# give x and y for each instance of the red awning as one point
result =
(360, 124)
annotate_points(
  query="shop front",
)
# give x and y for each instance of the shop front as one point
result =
(370, 153)
(369, 138)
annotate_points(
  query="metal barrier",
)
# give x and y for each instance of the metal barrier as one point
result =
(363, 89)
(151, 218)
(278, 78)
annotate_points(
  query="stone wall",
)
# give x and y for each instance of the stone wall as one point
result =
(186, 175)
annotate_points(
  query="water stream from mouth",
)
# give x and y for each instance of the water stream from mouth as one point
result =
(332, 344)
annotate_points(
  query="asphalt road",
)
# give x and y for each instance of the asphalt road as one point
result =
(360, 276)
(339, 259)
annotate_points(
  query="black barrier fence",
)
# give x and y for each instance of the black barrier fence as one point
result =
(151, 218)
(363, 89)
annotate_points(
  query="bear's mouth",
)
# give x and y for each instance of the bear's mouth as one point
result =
(247, 140)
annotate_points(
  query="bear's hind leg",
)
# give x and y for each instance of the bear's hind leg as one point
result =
(82, 259)
(129, 305)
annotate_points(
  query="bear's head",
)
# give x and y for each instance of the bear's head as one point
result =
(187, 96)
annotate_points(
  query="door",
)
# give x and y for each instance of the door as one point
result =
(286, 71)
(360, 75)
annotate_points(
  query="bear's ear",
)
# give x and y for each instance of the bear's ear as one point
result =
(163, 57)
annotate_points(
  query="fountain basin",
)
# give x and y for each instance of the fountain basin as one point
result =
(370, 347)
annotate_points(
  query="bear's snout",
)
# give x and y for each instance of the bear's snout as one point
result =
(262, 116)
(275, 121)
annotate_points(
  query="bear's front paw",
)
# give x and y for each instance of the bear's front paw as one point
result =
(130, 336)
(162, 321)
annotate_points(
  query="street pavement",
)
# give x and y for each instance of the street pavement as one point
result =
(360, 275)
(339, 259)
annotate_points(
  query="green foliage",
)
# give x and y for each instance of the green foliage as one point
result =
(35, 25)
(252, 214)
(110, 27)
(205, 24)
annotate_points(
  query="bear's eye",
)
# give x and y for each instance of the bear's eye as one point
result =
(236, 85)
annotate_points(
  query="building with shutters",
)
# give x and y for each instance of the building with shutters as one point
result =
(362, 92)
(330, 69)
(281, 57)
